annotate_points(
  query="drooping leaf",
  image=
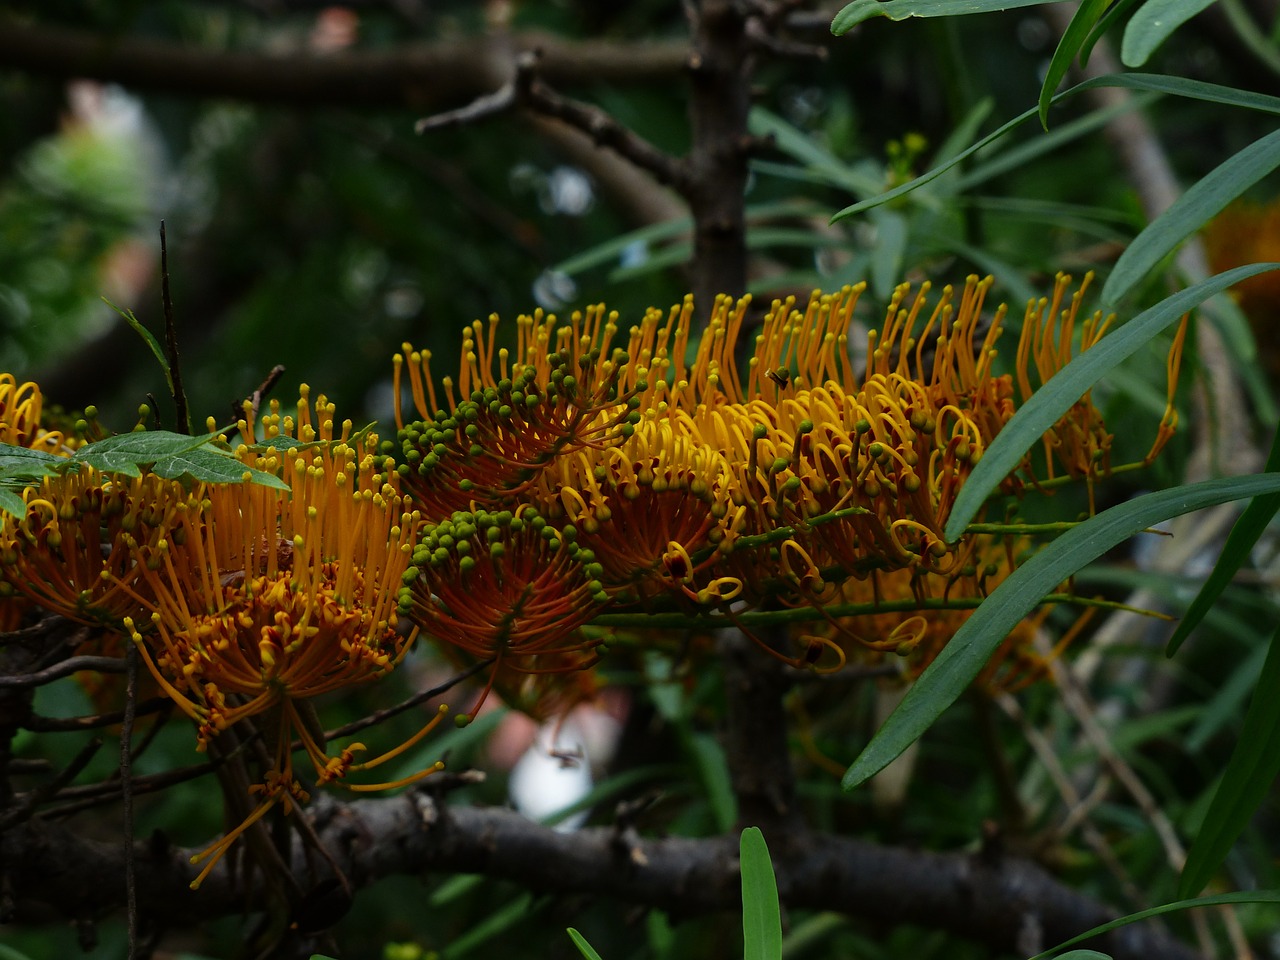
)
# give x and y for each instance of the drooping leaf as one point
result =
(1084, 955)
(854, 13)
(1073, 38)
(1244, 534)
(1248, 896)
(1250, 772)
(964, 656)
(1152, 24)
(1053, 399)
(1202, 200)
(761, 916)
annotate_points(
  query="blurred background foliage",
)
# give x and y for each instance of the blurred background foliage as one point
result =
(322, 238)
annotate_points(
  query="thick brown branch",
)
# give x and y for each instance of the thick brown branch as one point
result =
(413, 74)
(1006, 903)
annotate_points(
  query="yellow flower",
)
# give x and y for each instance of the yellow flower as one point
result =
(268, 599)
(694, 483)
(84, 546)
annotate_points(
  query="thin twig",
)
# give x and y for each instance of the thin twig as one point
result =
(39, 724)
(181, 413)
(62, 669)
(126, 794)
(23, 810)
(527, 90)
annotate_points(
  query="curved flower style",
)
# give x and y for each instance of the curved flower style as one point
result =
(505, 585)
(263, 600)
(21, 409)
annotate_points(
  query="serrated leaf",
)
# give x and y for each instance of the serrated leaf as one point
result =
(1248, 896)
(761, 916)
(20, 462)
(1244, 534)
(1156, 83)
(1073, 39)
(1048, 404)
(854, 13)
(140, 447)
(1245, 783)
(580, 942)
(210, 465)
(1151, 25)
(1202, 200)
(964, 656)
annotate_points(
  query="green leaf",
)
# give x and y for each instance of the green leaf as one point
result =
(1073, 38)
(854, 13)
(713, 768)
(148, 337)
(1250, 772)
(12, 503)
(964, 656)
(801, 147)
(1109, 19)
(1244, 534)
(9, 953)
(18, 461)
(1152, 24)
(172, 455)
(1053, 399)
(887, 253)
(761, 917)
(1248, 896)
(1176, 86)
(580, 942)
(1085, 955)
(1206, 197)
(211, 465)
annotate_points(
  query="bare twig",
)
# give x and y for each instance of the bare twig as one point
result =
(182, 413)
(527, 90)
(63, 668)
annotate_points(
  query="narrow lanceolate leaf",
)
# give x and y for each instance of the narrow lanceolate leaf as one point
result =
(1073, 38)
(761, 916)
(1205, 198)
(1174, 86)
(148, 338)
(1235, 551)
(1051, 401)
(1248, 896)
(854, 13)
(1152, 24)
(580, 942)
(1250, 772)
(962, 659)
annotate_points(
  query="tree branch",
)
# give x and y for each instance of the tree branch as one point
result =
(412, 74)
(1007, 903)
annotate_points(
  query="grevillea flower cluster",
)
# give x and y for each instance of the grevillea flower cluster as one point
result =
(689, 477)
(769, 463)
